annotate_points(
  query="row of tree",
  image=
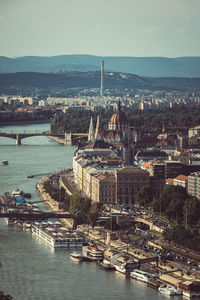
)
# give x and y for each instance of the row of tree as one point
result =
(146, 121)
(181, 209)
(76, 204)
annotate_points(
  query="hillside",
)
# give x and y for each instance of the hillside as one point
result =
(74, 79)
(142, 66)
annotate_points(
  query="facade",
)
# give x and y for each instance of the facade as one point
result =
(129, 181)
(181, 180)
(104, 188)
(194, 184)
(173, 168)
(157, 170)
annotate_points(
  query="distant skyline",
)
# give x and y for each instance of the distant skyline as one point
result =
(100, 27)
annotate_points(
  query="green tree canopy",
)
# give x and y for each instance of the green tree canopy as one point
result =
(144, 195)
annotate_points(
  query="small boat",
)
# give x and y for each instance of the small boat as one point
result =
(106, 267)
(169, 290)
(140, 275)
(77, 257)
(121, 268)
(92, 252)
(4, 163)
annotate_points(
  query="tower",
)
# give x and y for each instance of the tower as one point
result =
(97, 129)
(102, 76)
(91, 131)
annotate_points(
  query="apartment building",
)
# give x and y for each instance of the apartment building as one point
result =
(194, 184)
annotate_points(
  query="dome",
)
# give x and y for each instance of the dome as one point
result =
(118, 119)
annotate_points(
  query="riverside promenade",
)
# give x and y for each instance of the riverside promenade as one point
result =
(99, 237)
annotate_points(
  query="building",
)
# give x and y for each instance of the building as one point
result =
(194, 184)
(173, 168)
(119, 133)
(104, 188)
(157, 169)
(129, 181)
(181, 180)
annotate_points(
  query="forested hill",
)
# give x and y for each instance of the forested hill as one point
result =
(92, 80)
(142, 66)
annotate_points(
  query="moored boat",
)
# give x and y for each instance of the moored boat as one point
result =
(169, 290)
(92, 252)
(57, 237)
(140, 275)
(121, 268)
(75, 256)
(106, 267)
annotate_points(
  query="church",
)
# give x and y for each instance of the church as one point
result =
(118, 134)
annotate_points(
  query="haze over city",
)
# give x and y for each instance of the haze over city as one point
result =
(107, 28)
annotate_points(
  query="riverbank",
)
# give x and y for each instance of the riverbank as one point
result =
(49, 202)
(24, 122)
(103, 239)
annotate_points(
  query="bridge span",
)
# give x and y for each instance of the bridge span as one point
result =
(67, 138)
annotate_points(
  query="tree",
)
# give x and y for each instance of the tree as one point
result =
(92, 218)
(144, 195)
(172, 201)
(191, 210)
(5, 297)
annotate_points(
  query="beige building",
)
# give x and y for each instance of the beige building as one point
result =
(103, 188)
(129, 181)
(194, 184)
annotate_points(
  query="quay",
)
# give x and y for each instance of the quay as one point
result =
(168, 272)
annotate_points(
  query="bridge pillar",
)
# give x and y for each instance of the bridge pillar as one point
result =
(18, 140)
(68, 139)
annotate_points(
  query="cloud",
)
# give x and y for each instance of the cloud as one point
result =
(150, 29)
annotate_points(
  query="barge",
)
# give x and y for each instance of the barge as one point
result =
(57, 237)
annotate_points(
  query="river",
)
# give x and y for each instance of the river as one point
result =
(32, 270)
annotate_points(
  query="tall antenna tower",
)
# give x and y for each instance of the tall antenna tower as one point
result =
(102, 76)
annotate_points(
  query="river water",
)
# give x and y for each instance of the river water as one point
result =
(32, 270)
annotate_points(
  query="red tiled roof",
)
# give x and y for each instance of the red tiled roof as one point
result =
(181, 177)
(146, 165)
(169, 180)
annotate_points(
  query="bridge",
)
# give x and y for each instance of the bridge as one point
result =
(68, 138)
(149, 223)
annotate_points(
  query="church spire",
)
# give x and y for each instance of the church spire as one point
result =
(91, 131)
(97, 129)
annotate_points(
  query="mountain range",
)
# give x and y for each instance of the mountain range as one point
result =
(142, 66)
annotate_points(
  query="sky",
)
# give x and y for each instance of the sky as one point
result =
(139, 28)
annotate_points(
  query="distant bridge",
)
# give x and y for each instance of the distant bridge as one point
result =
(68, 138)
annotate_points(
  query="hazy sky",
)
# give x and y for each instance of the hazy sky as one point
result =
(168, 28)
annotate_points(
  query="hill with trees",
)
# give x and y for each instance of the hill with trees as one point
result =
(75, 79)
(142, 66)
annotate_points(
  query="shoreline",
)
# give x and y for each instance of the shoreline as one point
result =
(29, 122)
(94, 234)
